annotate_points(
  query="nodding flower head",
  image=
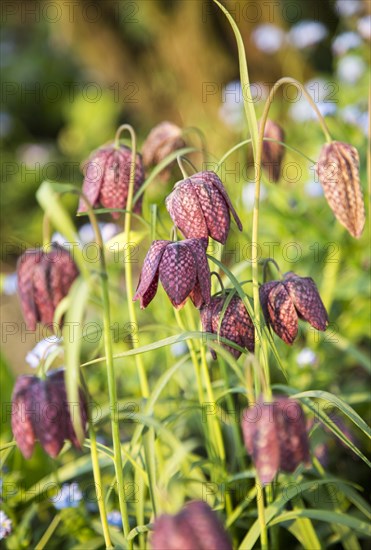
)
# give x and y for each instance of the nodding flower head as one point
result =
(283, 302)
(200, 207)
(40, 410)
(163, 139)
(195, 527)
(236, 324)
(44, 279)
(182, 269)
(273, 152)
(275, 436)
(338, 172)
(107, 177)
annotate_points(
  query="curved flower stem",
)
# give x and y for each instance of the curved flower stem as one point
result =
(46, 230)
(149, 436)
(202, 137)
(265, 268)
(181, 167)
(110, 373)
(190, 164)
(299, 86)
(128, 271)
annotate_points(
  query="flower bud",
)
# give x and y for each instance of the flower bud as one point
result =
(40, 410)
(273, 153)
(199, 206)
(196, 527)
(283, 302)
(338, 172)
(236, 324)
(44, 279)
(276, 437)
(107, 178)
(163, 139)
(182, 269)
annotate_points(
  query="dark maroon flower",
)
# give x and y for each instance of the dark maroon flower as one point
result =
(236, 325)
(163, 139)
(199, 206)
(44, 279)
(284, 301)
(273, 152)
(107, 177)
(275, 435)
(196, 527)
(40, 410)
(182, 269)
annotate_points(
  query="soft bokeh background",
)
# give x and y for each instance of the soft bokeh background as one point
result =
(72, 73)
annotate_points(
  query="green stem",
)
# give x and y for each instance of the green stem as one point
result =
(110, 373)
(99, 485)
(181, 167)
(49, 532)
(149, 436)
(261, 517)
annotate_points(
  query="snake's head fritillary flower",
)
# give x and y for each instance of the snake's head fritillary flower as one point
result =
(195, 527)
(338, 172)
(107, 177)
(182, 269)
(275, 436)
(163, 139)
(40, 410)
(236, 324)
(283, 302)
(44, 279)
(273, 152)
(200, 207)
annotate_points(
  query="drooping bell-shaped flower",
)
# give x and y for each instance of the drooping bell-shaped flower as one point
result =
(200, 207)
(40, 410)
(283, 302)
(44, 279)
(107, 177)
(275, 436)
(338, 172)
(195, 527)
(236, 324)
(182, 269)
(163, 139)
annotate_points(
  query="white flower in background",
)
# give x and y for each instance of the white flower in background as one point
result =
(350, 69)
(306, 357)
(114, 518)
(248, 194)
(178, 349)
(9, 284)
(345, 42)
(43, 349)
(69, 496)
(364, 27)
(302, 111)
(86, 234)
(231, 109)
(268, 38)
(5, 525)
(351, 114)
(347, 8)
(307, 33)
(34, 153)
(319, 89)
(313, 189)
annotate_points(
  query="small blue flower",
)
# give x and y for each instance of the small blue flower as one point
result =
(364, 27)
(9, 284)
(347, 8)
(345, 42)
(178, 349)
(350, 69)
(114, 518)
(69, 496)
(306, 357)
(268, 38)
(307, 33)
(5, 525)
